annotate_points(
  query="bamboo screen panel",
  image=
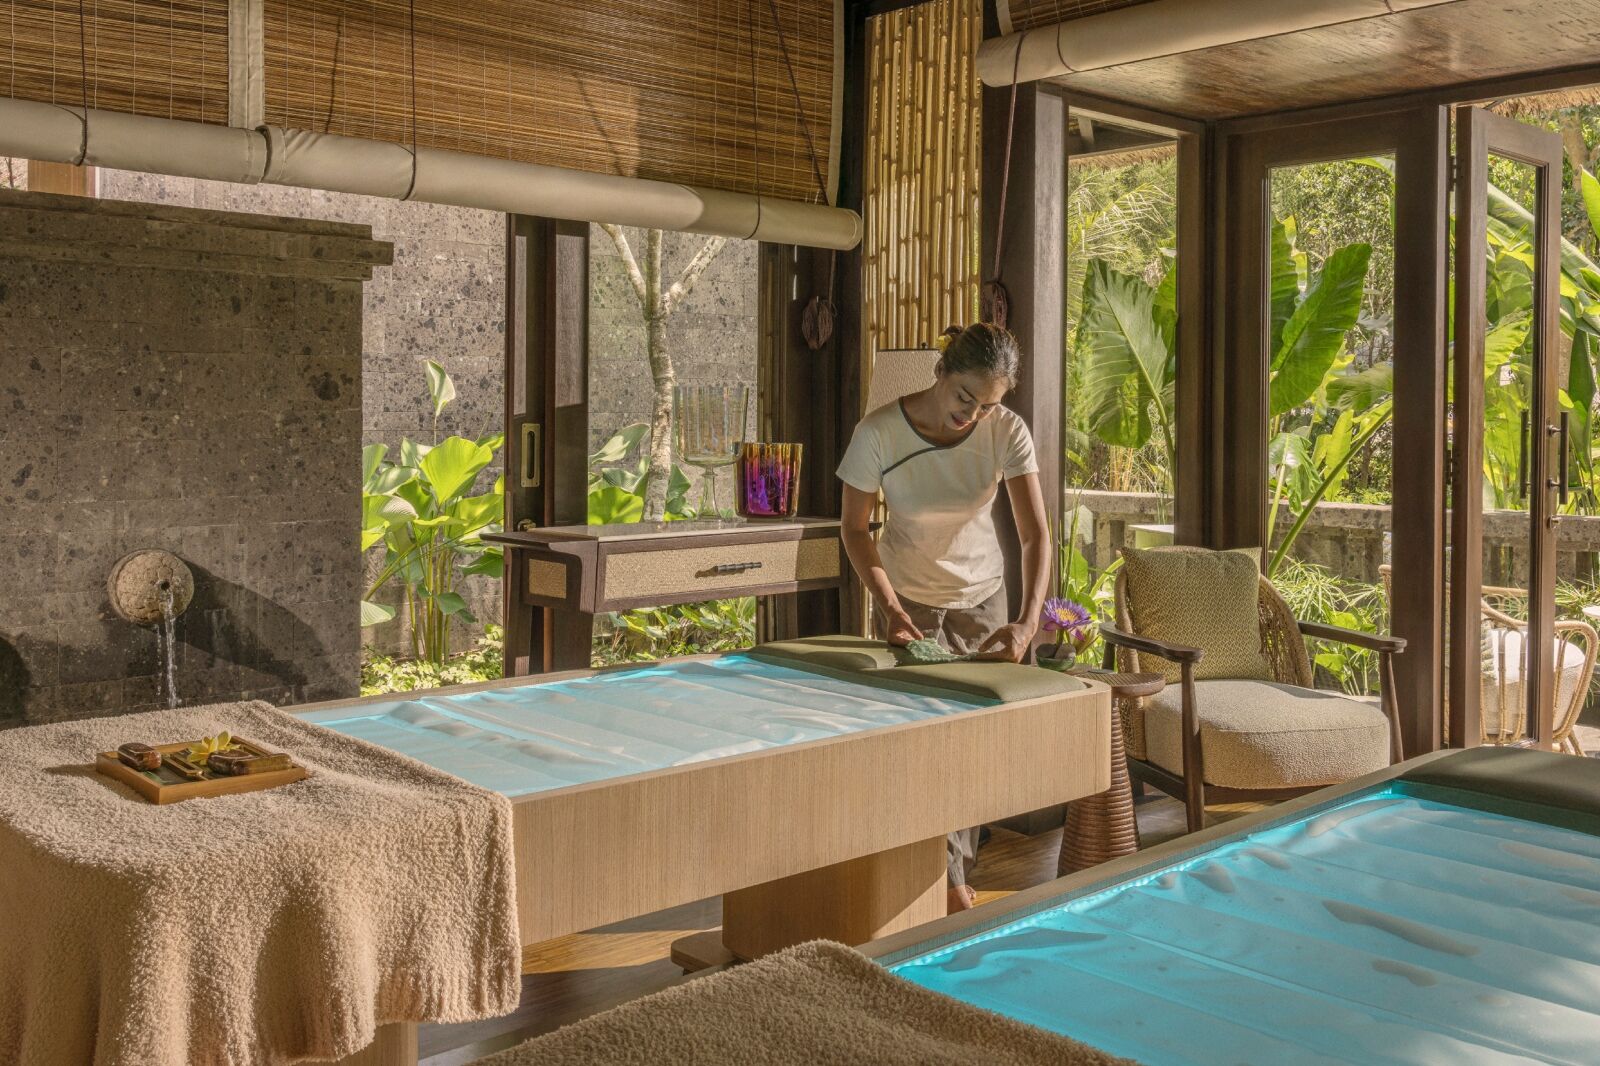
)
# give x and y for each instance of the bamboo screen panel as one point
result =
(921, 271)
(1029, 14)
(660, 89)
(168, 59)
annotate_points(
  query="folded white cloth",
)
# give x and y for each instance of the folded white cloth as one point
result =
(247, 930)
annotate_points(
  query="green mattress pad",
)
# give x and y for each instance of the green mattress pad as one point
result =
(874, 662)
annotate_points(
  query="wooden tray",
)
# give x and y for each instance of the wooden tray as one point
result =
(165, 785)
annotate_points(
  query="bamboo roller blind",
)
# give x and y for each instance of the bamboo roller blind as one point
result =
(923, 149)
(693, 91)
(167, 59)
(664, 89)
(1029, 14)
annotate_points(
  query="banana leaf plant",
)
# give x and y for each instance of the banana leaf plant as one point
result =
(617, 493)
(1126, 358)
(419, 506)
(1126, 344)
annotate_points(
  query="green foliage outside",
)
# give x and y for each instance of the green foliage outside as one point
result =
(617, 488)
(1331, 373)
(382, 673)
(419, 504)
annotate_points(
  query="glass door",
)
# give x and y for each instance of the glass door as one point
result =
(1509, 434)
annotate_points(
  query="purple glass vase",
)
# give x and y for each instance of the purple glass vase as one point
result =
(768, 478)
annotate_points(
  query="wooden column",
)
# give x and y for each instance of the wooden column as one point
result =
(1032, 267)
(1417, 139)
(546, 417)
(801, 390)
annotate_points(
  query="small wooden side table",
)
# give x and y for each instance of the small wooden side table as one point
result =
(1102, 827)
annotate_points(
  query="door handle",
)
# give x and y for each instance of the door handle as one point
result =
(532, 455)
(1563, 436)
(1522, 458)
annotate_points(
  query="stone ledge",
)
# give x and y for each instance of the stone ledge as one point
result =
(44, 226)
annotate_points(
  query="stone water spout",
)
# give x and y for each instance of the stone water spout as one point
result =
(152, 588)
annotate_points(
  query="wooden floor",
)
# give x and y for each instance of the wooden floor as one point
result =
(575, 976)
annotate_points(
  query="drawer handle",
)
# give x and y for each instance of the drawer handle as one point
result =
(734, 568)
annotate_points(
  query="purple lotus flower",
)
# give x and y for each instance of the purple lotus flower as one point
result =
(1071, 622)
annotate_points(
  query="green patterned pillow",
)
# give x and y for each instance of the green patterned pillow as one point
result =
(1206, 600)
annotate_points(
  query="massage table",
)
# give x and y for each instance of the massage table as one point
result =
(1446, 909)
(810, 783)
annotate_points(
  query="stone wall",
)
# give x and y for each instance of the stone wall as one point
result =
(713, 336)
(442, 299)
(186, 380)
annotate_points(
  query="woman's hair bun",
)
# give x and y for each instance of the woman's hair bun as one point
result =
(981, 348)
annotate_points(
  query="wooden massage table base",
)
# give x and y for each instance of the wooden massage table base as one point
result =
(852, 902)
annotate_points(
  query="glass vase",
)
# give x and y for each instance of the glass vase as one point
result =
(708, 422)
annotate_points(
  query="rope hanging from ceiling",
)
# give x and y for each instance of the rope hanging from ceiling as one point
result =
(994, 302)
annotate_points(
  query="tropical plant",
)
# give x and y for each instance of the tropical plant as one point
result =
(650, 633)
(617, 492)
(1126, 344)
(1316, 594)
(1127, 358)
(420, 506)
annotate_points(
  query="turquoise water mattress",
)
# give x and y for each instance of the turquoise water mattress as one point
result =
(1394, 928)
(528, 738)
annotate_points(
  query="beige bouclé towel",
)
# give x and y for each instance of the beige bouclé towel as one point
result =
(249, 930)
(817, 1003)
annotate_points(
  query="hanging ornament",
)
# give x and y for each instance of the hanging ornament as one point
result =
(816, 322)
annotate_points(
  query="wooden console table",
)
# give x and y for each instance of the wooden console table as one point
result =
(559, 577)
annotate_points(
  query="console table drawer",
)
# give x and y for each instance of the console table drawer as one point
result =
(671, 574)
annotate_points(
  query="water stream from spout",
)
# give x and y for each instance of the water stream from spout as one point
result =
(167, 645)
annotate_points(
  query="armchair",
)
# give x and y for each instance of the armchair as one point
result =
(1261, 735)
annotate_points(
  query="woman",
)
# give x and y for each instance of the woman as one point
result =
(937, 456)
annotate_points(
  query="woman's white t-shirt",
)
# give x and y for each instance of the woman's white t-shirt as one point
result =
(939, 545)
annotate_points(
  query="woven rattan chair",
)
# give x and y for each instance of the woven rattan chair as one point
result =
(1288, 701)
(1502, 700)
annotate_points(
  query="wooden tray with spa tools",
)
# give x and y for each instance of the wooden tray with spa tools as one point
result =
(169, 785)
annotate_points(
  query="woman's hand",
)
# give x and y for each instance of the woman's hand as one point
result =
(900, 628)
(1008, 643)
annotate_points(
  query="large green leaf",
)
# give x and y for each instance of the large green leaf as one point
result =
(379, 513)
(375, 614)
(371, 458)
(611, 505)
(390, 478)
(1581, 394)
(1503, 340)
(1361, 389)
(1314, 335)
(411, 452)
(489, 564)
(1285, 281)
(1124, 354)
(620, 443)
(452, 604)
(441, 390)
(1591, 199)
(452, 465)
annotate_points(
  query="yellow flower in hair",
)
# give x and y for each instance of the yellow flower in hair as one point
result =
(942, 341)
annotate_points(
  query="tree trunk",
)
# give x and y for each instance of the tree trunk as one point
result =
(661, 375)
(657, 307)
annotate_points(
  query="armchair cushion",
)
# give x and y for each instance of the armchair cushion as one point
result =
(1207, 600)
(1260, 734)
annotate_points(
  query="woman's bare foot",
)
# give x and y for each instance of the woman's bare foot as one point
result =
(960, 898)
